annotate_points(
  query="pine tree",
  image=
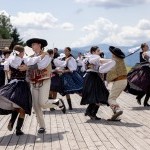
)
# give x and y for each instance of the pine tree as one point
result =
(5, 27)
(16, 38)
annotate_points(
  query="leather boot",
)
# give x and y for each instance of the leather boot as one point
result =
(146, 100)
(69, 103)
(94, 112)
(89, 109)
(19, 125)
(12, 120)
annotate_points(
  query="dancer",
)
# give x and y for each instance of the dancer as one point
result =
(39, 76)
(15, 97)
(118, 77)
(94, 91)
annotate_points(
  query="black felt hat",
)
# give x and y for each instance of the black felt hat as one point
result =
(36, 40)
(117, 52)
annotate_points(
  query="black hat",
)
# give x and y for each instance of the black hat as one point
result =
(36, 40)
(117, 52)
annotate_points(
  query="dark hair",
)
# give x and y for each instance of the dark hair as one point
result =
(19, 48)
(143, 45)
(68, 48)
(56, 49)
(93, 49)
(50, 51)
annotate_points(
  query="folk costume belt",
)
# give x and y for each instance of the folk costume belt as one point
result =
(123, 77)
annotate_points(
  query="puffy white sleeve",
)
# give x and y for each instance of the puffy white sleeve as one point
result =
(14, 61)
(146, 56)
(32, 60)
(6, 65)
(59, 63)
(72, 64)
(94, 59)
(107, 65)
(43, 63)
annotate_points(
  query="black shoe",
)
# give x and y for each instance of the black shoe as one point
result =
(146, 105)
(139, 101)
(95, 118)
(41, 130)
(70, 104)
(19, 132)
(52, 109)
(62, 107)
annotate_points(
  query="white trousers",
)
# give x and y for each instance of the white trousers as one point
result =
(40, 100)
(117, 88)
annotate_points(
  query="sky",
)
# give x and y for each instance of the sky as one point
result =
(77, 23)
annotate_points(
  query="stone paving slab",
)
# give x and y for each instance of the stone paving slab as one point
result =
(74, 131)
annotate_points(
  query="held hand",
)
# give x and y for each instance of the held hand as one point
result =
(23, 67)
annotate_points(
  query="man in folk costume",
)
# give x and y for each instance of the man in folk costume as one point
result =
(39, 76)
(118, 75)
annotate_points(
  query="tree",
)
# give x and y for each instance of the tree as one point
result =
(5, 27)
(16, 38)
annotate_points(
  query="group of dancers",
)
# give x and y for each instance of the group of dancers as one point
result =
(36, 80)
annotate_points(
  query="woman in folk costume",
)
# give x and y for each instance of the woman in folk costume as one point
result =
(118, 76)
(2, 73)
(39, 76)
(144, 61)
(139, 76)
(94, 91)
(55, 80)
(15, 97)
(71, 81)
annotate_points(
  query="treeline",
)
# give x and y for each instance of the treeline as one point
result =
(7, 31)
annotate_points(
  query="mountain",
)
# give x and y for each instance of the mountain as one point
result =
(130, 60)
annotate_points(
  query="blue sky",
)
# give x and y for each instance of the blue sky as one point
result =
(78, 23)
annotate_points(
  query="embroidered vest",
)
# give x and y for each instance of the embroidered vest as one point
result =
(118, 70)
(36, 75)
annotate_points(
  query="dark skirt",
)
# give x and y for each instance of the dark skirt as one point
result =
(80, 71)
(16, 93)
(55, 83)
(139, 77)
(2, 76)
(71, 83)
(94, 90)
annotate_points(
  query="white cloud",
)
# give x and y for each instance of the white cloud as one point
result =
(4, 12)
(67, 26)
(144, 24)
(34, 20)
(104, 31)
(112, 3)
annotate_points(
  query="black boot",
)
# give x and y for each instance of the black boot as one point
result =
(69, 103)
(146, 100)
(12, 120)
(18, 127)
(94, 112)
(89, 109)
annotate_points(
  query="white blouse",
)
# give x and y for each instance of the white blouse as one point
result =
(15, 61)
(100, 64)
(71, 64)
(147, 54)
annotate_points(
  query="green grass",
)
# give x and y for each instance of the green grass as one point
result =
(128, 68)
